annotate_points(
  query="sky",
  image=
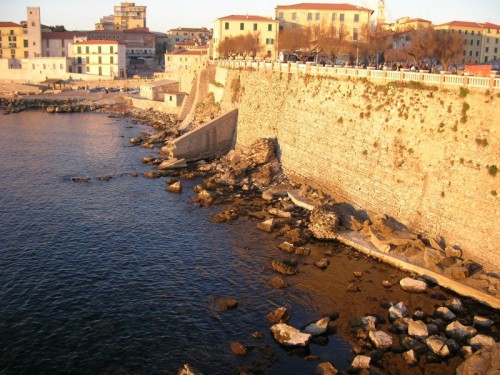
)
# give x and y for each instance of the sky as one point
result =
(163, 15)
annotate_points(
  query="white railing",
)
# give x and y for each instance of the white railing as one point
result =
(441, 80)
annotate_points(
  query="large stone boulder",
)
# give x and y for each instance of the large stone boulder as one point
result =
(280, 315)
(484, 362)
(380, 339)
(319, 327)
(326, 368)
(176, 187)
(458, 331)
(418, 328)
(283, 268)
(289, 336)
(324, 223)
(438, 346)
(413, 286)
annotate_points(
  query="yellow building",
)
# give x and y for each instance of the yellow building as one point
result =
(407, 24)
(264, 29)
(100, 57)
(186, 59)
(352, 17)
(481, 40)
(129, 16)
(13, 41)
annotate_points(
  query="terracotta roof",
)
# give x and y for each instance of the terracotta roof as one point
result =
(99, 42)
(247, 18)
(474, 25)
(9, 24)
(490, 25)
(63, 34)
(202, 29)
(189, 52)
(321, 6)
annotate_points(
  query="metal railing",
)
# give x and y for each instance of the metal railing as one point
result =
(442, 80)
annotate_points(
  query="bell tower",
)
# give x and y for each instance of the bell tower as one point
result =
(34, 27)
(381, 12)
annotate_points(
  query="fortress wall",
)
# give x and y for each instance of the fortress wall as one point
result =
(420, 156)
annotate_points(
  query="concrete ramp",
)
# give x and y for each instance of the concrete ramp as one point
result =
(212, 139)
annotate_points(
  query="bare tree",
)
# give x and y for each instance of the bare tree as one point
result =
(448, 47)
(373, 42)
(228, 48)
(422, 47)
(297, 41)
(334, 41)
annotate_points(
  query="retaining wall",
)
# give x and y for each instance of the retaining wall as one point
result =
(421, 156)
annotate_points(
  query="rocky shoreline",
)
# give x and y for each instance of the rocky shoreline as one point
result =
(249, 182)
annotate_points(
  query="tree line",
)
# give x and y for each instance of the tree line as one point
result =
(371, 46)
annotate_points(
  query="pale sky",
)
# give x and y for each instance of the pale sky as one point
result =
(163, 15)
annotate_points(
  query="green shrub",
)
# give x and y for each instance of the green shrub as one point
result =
(492, 170)
(464, 92)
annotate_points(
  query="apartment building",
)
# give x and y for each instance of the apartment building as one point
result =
(264, 29)
(140, 43)
(106, 23)
(186, 59)
(407, 24)
(481, 40)
(129, 16)
(58, 44)
(100, 57)
(352, 17)
(180, 34)
(13, 41)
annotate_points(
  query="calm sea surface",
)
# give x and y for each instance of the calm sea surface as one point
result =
(119, 276)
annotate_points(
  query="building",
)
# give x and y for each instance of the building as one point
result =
(106, 23)
(352, 17)
(407, 24)
(481, 40)
(186, 59)
(129, 16)
(13, 41)
(264, 29)
(100, 57)
(180, 34)
(58, 44)
(156, 90)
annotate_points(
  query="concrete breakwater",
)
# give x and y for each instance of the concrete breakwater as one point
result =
(425, 157)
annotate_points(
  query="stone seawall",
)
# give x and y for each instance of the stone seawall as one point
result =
(426, 157)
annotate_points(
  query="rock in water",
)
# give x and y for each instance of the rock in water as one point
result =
(283, 268)
(319, 327)
(361, 362)
(176, 187)
(278, 282)
(280, 315)
(288, 336)
(413, 286)
(326, 368)
(238, 349)
(188, 370)
(267, 226)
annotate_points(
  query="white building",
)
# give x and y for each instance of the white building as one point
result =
(100, 57)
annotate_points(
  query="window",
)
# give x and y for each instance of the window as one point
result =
(280, 15)
(99, 60)
(471, 42)
(78, 60)
(487, 49)
(242, 26)
(341, 17)
(477, 53)
(355, 34)
(254, 27)
(33, 24)
(44, 66)
(111, 60)
(472, 32)
(25, 43)
(496, 50)
(466, 32)
(87, 49)
(478, 42)
(99, 49)
(226, 26)
(270, 41)
(62, 42)
(460, 31)
(309, 16)
(334, 16)
(270, 27)
(87, 59)
(111, 49)
(465, 53)
(470, 53)
(88, 69)
(485, 58)
(79, 50)
(294, 16)
(487, 40)
(318, 16)
(356, 18)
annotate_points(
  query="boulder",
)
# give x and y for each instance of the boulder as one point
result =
(437, 345)
(458, 331)
(289, 336)
(410, 357)
(280, 315)
(482, 322)
(484, 361)
(267, 226)
(280, 213)
(322, 263)
(417, 329)
(455, 305)
(444, 313)
(176, 187)
(380, 339)
(324, 223)
(326, 368)
(188, 370)
(361, 362)
(300, 201)
(283, 268)
(225, 304)
(205, 197)
(287, 247)
(278, 282)
(238, 348)
(413, 286)
(319, 327)
(152, 174)
(369, 323)
(482, 341)
(398, 311)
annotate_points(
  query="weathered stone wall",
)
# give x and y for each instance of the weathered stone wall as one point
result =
(418, 155)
